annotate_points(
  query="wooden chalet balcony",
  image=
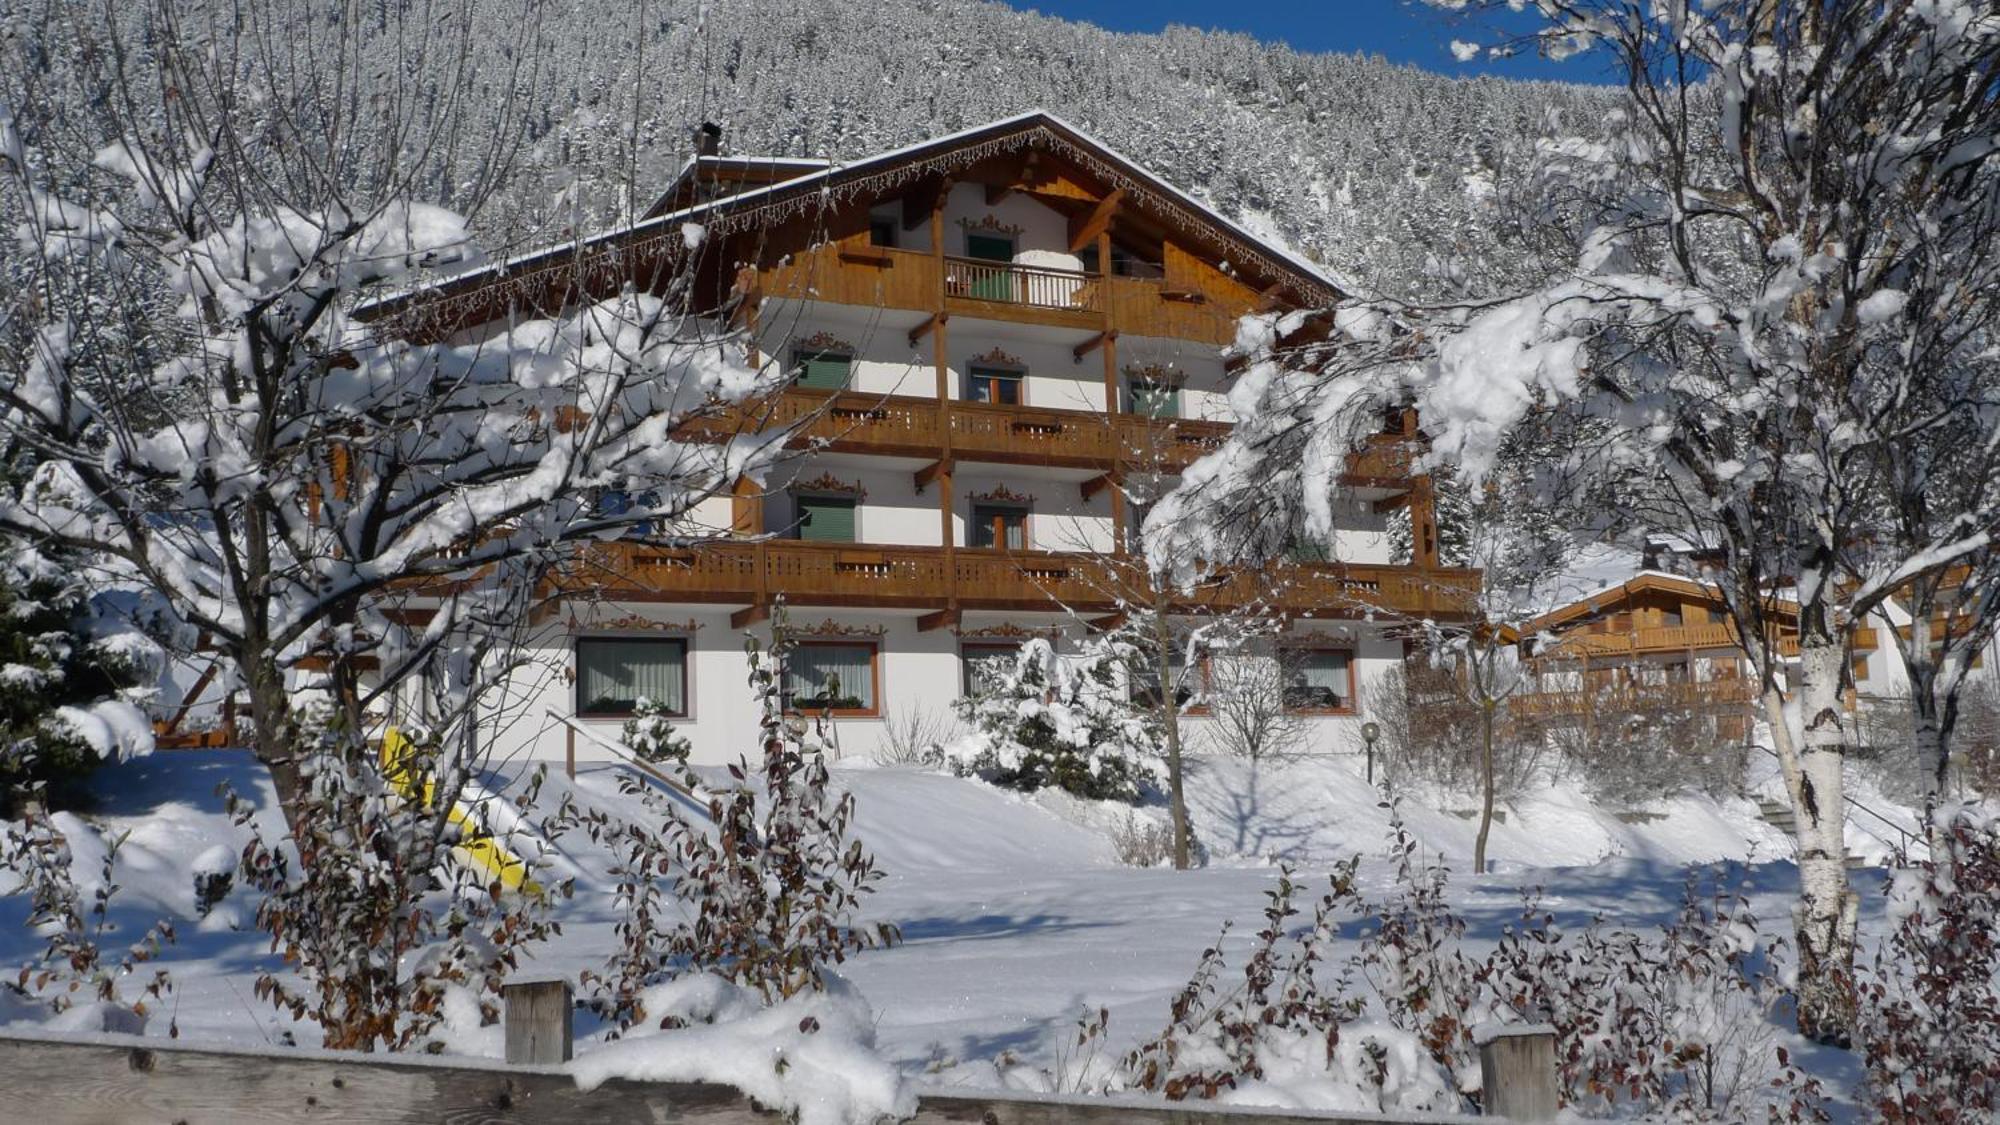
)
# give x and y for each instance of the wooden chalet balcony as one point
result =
(1713, 695)
(851, 273)
(915, 426)
(868, 576)
(1671, 640)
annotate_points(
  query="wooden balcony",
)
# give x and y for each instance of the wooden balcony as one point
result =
(1627, 699)
(868, 576)
(1668, 641)
(855, 273)
(914, 426)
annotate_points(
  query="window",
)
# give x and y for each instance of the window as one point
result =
(983, 666)
(881, 231)
(1306, 549)
(826, 519)
(614, 673)
(993, 384)
(837, 676)
(827, 371)
(989, 247)
(1155, 398)
(999, 525)
(1319, 679)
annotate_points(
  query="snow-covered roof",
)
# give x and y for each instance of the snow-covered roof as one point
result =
(825, 178)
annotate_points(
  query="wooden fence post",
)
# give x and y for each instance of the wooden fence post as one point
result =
(537, 1017)
(569, 751)
(1517, 1065)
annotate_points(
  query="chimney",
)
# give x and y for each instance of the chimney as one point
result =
(707, 139)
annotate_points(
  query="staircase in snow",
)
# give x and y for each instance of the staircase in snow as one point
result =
(1779, 815)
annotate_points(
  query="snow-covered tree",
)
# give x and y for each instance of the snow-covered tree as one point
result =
(72, 673)
(1061, 722)
(206, 398)
(1783, 272)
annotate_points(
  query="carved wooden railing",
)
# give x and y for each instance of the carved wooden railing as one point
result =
(1010, 283)
(1634, 698)
(930, 577)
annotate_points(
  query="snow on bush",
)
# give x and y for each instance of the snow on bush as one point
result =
(762, 897)
(1061, 723)
(810, 1056)
(651, 736)
(1930, 1005)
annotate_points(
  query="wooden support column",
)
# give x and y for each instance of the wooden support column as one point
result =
(942, 476)
(746, 508)
(1110, 322)
(1423, 524)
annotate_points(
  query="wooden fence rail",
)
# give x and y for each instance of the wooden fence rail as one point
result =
(51, 1079)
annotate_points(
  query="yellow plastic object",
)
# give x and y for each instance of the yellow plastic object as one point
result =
(476, 848)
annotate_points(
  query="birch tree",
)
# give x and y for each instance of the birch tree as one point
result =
(1739, 314)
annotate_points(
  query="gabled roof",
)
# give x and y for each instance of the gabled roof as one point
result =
(882, 173)
(1621, 593)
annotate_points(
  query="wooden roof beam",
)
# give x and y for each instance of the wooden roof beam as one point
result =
(931, 472)
(750, 615)
(924, 329)
(939, 620)
(1026, 176)
(918, 205)
(1097, 484)
(1083, 230)
(1092, 344)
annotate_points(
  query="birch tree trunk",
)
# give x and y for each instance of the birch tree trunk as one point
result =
(1825, 917)
(1170, 715)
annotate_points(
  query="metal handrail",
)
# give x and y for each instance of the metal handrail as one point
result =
(1904, 838)
(688, 795)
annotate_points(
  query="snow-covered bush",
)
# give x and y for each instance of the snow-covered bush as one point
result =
(380, 930)
(1930, 1004)
(1626, 757)
(1062, 723)
(764, 898)
(1289, 1032)
(68, 672)
(81, 962)
(1413, 959)
(809, 1056)
(651, 737)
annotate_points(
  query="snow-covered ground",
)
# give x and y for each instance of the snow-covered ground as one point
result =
(1015, 912)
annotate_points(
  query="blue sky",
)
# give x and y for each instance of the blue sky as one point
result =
(1401, 30)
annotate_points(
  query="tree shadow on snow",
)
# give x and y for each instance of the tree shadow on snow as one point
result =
(989, 927)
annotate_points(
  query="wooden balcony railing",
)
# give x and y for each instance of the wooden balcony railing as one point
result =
(910, 426)
(841, 574)
(845, 273)
(1711, 695)
(1032, 435)
(1670, 640)
(1010, 283)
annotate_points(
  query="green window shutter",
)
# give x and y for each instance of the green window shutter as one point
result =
(827, 371)
(826, 519)
(1308, 551)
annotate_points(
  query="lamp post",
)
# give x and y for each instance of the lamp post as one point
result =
(1369, 733)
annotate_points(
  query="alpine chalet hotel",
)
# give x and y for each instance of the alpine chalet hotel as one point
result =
(982, 333)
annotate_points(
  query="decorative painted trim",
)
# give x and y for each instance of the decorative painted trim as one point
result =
(633, 622)
(998, 358)
(1163, 374)
(832, 628)
(827, 482)
(823, 341)
(1009, 631)
(1000, 494)
(991, 223)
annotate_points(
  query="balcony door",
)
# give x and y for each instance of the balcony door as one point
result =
(999, 525)
(996, 282)
(999, 385)
(825, 519)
